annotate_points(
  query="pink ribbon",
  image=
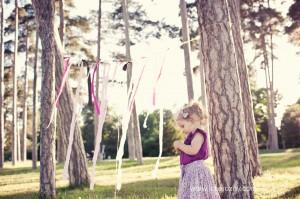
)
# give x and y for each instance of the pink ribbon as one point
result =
(94, 98)
(154, 88)
(65, 75)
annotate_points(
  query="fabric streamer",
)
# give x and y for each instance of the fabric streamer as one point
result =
(76, 111)
(64, 78)
(125, 122)
(101, 122)
(94, 98)
(161, 129)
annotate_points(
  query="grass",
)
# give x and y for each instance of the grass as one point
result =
(280, 179)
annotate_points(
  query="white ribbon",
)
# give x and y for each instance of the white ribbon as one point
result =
(161, 129)
(76, 110)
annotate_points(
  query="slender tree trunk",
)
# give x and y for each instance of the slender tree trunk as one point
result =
(245, 87)
(78, 170)
(18, 144)
(1, 84)
(226, 114)
(45, 13)
(34, 104)
(96, 117)
(272, 130)
(133, 122)
(15, 116)
(186, 50)
(24, 130)
(137, 138)
(61, 147)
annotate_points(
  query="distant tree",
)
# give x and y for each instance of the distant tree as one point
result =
(1, 83)
(290, 126)
(294, 28)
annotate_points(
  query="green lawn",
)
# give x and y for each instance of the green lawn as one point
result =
(280, 179)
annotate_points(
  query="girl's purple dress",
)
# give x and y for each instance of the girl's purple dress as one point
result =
(196, 181)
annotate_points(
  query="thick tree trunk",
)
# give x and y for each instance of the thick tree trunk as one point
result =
(186, 50)
(1, 84)
(226, 114)
(134, 143)
(45, 13)
(78, 169)
(24, 130)
(245, 88)
(61, 147)
(15, 116)
(34, 104)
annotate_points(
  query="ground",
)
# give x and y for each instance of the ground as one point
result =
(280, 179)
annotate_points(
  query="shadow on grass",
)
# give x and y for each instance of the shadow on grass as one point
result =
(294, 193)
(143, 189)
(16, 171)
(280, 162)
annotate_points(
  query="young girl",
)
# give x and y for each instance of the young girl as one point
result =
(196, 181)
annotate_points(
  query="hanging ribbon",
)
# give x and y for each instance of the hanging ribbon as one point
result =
(100, 124)
(125, 122)
(94, 98)
(161, 129)
(76, 111)
(64, 78)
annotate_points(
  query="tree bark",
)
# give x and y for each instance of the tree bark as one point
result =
(34, 120)
(137, 138)
(15, 117)
(24, 130)
(132, 146)
(45, 13)
(96, 117)
(78, 170)
(245, 88)
(226, 114)
(61, 147)
(186, 50)
(1, 84)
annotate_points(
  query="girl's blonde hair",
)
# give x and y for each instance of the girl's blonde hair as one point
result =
(192, 110)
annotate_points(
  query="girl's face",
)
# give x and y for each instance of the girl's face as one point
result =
(185, 125)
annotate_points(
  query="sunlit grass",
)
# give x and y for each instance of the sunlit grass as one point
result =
(281, 179)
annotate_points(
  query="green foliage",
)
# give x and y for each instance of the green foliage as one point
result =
(259, 98)
(290, 126)
(294, 28)
(150, 135)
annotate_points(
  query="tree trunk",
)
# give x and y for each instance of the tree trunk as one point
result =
(78, 170)
(24, 130)
(245, 88)
(272, 130)
(186, 50)
(96, 117)
(15, 117)
(34, 120)
(226, 114)
(61, 147)
(137, 138)
(133, 122)
(1, 84)
(45, 13)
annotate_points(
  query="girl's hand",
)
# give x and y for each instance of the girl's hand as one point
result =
(176, 145)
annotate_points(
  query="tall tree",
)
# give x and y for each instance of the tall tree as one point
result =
(45, 12)
(245, 88)
(15, 116)
(1, 83)
(226, 114)
(186, 49)
(61, 146)
(96, 118)
(78, 170)
(34, 103)
(134, 135)
(24, 130)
